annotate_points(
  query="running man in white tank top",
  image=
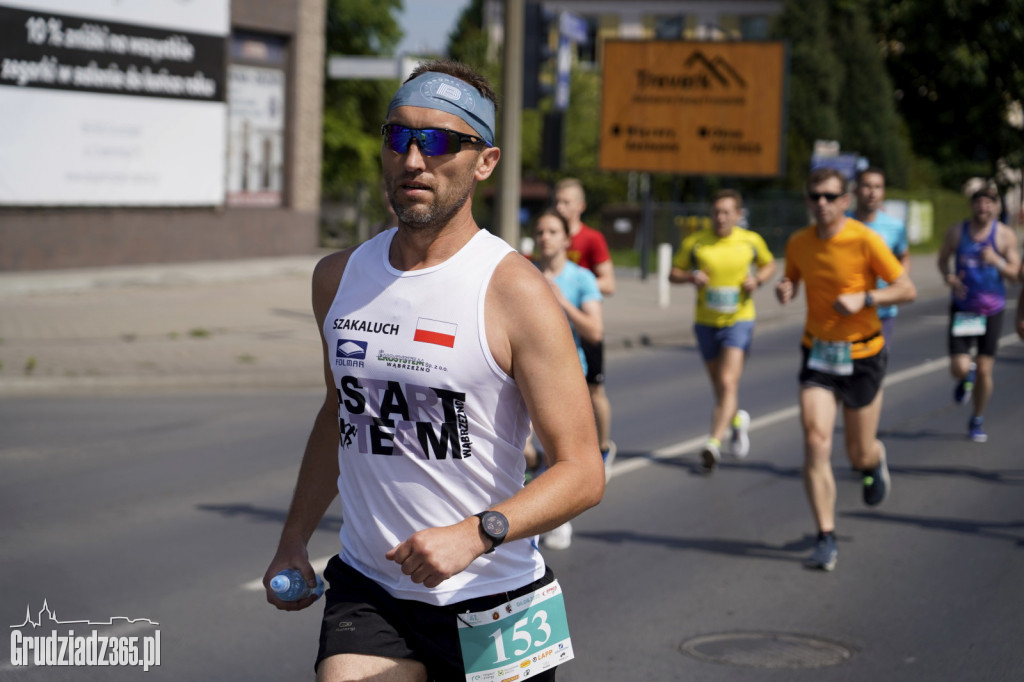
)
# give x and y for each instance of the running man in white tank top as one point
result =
(440, 344)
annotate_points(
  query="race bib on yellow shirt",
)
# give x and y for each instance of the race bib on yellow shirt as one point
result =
(722, 299)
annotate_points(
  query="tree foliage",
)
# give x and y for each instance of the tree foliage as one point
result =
(957, 70)
(354, 109)
(468, 41)
(868, 120)
(919, 87)
(839, 88)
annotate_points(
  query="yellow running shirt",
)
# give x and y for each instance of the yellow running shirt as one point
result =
(726, 261)
(849, 262)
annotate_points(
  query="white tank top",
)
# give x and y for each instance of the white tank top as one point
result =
(431, 430)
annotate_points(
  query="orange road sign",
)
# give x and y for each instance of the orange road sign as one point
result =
(693, 107)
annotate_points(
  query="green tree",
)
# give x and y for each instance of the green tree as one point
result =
(839, 88)
(814, 83)
(957, 71)
(468, 41)
(354, 109)
(868, 121)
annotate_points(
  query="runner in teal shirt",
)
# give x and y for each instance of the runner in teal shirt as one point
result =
(870, 194)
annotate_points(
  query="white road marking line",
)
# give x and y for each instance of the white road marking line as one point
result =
(691, 445)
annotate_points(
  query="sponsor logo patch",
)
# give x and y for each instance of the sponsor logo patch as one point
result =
(350, 353)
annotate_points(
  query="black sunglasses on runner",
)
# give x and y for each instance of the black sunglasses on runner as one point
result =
(827, 196)
(431, 141)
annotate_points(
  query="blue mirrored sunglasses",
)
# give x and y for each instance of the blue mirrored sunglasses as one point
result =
(431, 141)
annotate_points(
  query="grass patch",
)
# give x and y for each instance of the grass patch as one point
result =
(200, 333)
(625, 258)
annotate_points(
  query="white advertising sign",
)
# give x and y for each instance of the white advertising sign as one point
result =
(255, 135)
(113, 102)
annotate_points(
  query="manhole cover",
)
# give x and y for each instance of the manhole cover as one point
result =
(767, 650)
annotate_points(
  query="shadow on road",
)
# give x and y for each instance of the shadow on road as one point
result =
(789, 551)
(252, 513)
(691, 462)
(997, 530)
(1005, 477)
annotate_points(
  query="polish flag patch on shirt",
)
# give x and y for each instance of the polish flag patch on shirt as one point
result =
(436, 332)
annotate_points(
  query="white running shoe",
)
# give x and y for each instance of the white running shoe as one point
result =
(609, 456)
(740, 442)
(559, 538)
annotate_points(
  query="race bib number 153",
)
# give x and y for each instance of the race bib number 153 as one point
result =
(522, 637)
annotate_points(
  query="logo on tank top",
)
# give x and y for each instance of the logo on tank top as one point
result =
(381, 417)
(350, 353)
(409, 363)
(369, 326)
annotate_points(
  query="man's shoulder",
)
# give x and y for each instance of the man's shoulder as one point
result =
(747, 235)
(588, 232)
(576, 277)
(1005, 234)
(854, 229)
(701, 236)
(802, 234)
(327, 276)
(1004, 228)
(884, 219)
(579, 272)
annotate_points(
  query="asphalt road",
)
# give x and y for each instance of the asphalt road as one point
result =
(167, 508)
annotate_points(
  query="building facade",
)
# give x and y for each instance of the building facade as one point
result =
(189, 131)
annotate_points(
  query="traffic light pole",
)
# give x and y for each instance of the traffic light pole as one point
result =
(510, 142)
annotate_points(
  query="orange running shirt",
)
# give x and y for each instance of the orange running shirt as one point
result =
(849, 262)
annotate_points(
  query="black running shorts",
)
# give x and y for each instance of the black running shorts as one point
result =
(361, 617)
(987, 342)
(854, 391)
(594, 353)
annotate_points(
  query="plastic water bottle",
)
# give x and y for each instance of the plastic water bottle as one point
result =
(289, 585)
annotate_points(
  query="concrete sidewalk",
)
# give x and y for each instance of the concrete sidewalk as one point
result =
(247, 324)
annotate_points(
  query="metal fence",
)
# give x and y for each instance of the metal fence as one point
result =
(774, 219)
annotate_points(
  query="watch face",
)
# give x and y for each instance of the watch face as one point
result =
(494, 524)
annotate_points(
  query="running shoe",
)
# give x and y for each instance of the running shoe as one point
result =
(825, 553)
(559, 538)
(740, 442)
(976, 430)
(876, 481)
(965, 388)
(608, 455)
(710, 454)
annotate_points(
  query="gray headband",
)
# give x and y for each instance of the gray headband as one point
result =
(433, 90)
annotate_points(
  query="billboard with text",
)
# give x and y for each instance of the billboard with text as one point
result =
(693, 107)
(113, 102)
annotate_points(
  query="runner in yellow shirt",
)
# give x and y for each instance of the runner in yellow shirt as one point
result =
(727, 264)
(843, 350)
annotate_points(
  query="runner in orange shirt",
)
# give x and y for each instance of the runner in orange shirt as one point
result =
(843, 350)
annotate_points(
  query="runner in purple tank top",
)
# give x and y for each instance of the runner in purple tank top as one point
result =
(984, 251)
